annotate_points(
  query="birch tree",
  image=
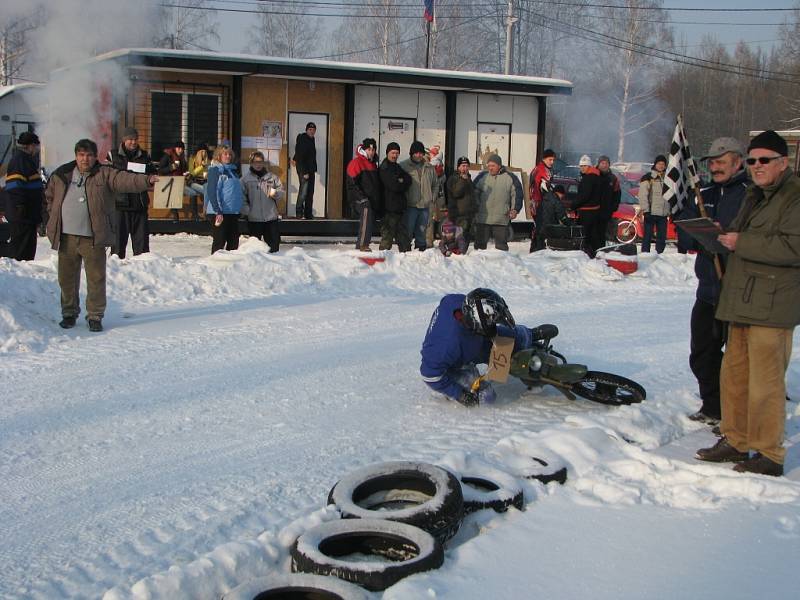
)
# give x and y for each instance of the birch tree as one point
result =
(290, 35)
(190, 26)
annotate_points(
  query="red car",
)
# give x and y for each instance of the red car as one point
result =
(626, 224)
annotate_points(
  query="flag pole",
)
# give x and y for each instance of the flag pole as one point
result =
(427, 44)
(702, 207)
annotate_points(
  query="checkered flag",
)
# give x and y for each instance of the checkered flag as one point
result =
(681, 172)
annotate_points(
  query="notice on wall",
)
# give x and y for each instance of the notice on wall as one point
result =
(272, 132)
(168, 192)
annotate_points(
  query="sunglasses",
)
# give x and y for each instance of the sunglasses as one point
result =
(762, 160)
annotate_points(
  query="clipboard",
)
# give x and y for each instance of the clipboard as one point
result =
(705, 231)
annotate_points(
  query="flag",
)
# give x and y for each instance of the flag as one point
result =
(428, 14)
(681, 172)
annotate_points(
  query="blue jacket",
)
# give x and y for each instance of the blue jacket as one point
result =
(722, 202)
(448, 346)
(224, 190)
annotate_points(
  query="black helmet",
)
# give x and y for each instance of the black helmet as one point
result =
(483, 310)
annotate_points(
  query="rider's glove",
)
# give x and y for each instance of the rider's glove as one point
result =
(468, 398)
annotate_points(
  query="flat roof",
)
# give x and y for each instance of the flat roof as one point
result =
(322, 70)
(9, 89)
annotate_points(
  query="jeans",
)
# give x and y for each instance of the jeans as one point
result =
(305, 197)
(416, 220)
(660, 224)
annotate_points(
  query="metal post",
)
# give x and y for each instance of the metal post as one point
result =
(509, 35)
(427, 44)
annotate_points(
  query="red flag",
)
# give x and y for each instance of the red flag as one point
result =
(428, 10)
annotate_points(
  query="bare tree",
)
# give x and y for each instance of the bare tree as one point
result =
(15, 42)
(192, 25)
(291, 35)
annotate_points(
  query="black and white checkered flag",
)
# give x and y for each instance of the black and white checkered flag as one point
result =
(681, 172)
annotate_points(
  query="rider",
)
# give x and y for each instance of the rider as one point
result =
(460, 336)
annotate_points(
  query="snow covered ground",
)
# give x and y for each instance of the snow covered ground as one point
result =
(180, 453)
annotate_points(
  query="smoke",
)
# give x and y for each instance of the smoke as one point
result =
(80, 99)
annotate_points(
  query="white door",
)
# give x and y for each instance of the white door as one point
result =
(401, 131)
(494, 138)
(297, 125)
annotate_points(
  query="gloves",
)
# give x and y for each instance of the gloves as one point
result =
(485, 395)
(468, 398)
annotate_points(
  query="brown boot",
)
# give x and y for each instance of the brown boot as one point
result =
(720, 452)
(760, 464)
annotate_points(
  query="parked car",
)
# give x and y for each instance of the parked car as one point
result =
(626, 213)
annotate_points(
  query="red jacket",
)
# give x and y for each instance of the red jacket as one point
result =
(540, 173)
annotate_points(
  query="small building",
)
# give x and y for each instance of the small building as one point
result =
(18, 103)
(259, 102)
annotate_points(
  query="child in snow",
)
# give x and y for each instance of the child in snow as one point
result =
(452, 241)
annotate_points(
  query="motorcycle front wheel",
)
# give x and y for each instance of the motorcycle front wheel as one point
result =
(607, 388)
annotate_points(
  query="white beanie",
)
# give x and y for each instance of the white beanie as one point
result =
(585, 161)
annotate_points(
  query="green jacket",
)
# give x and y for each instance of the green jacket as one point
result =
(761, 285)
(424, 184)
(496, 196)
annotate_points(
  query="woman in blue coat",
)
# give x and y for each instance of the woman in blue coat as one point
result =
(223, 201)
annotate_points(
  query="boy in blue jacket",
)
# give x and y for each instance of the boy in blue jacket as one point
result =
(460, 336)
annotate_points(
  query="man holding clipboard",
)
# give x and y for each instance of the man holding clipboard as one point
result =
(722, 200)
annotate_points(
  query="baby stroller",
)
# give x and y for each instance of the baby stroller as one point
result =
(567, 236)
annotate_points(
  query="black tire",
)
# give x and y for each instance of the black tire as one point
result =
(546, 472)
(298, 586)
(403, 550)
(495, 490)
(607, 388)
(419, 494)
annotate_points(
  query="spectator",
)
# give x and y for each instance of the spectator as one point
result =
(364, 191)
(420, 195)
(587, 203)
(722, 200)
(551, 212)
(654, 208)
(612, 193)
(198, 175)
(438, 210)
(79, 195)
(499, 195)
(394, 181)
(452, 241)
(539, 185)
(461, 199)
(174, 164)
(759, 303)
(25, 198)
(305, 162)
(130, 216)
(224, 200)
(262, 190)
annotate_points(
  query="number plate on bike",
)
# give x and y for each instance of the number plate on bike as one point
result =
(500, 359)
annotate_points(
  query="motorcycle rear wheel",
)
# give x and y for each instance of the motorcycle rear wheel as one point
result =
(607, 388)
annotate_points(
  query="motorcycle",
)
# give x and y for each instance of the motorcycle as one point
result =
(541, 364)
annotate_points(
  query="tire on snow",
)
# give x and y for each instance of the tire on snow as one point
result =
(419, 494)
(299, 586)
(402, 550)
(544, 470)
(491, 489)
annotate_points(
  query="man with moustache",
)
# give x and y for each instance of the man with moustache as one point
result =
(722, 200)
(759, 296)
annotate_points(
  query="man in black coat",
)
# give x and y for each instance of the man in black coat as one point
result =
(305, 162)
(587, 204)
(612, 194)
(25, 197)
(131, 208)
(722, 200)
(394, 181)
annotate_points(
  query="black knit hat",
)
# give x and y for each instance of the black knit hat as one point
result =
(658, 159)
(179, 144)
(392, 146)
(369, 143)
(311, 125)
(769, 140)
(416, 147)
(462, 160)
(548, 153)
(27, 137)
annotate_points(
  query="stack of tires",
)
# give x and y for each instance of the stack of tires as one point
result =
(396, 518)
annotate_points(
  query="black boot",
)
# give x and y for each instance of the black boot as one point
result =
(760, 464)
(720, 452)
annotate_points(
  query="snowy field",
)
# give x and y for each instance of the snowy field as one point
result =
(180, 453)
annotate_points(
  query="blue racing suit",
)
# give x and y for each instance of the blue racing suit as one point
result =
(449, 347)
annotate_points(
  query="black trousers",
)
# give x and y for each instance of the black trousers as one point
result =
(22, 245)
(305, 197)
(593, 230)
(660, 225)
(498, 232)
(134, 224)
(705, 356)
(268, 231)
(226, 235)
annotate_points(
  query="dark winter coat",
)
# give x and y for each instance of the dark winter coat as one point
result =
(461, 197)
(609, 201)
(590, 191)
(761, 285)
(363, 184)
(395, 181)
(722, 202)
(305, 154)
(173, 164)
(119, 160)
(101, 184)
(551, 211)
(24, 189)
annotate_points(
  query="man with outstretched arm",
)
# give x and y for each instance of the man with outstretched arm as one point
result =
(459, 337)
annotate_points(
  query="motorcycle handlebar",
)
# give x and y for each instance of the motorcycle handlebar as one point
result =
(544, 332)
